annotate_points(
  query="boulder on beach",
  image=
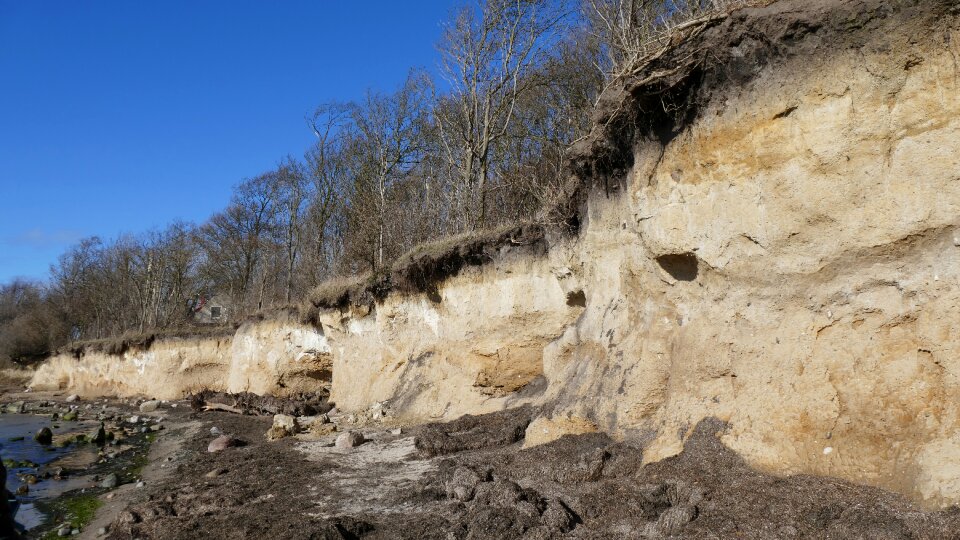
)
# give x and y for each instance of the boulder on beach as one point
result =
(284, 425)
(223, 442)
(149, 406)
(350, 439)
(44, 436)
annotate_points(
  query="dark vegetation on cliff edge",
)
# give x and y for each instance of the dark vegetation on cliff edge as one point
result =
(403, 189)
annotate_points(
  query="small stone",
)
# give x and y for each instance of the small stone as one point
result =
(215, 473)
(75, 532)
(322, 429)
(44, 436)
(100, 437)
(134, 419)
(111, 481)
(215, 431)
(17, 407)
(70, 416)
(222, 443)
(72, 397)
(102, 531)
(149, 406)
(283, 426)
(23, 489)
(350, 439)
(141, 484)
(63, 531)
(396, 431)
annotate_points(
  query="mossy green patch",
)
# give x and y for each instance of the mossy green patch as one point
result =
(77, 509)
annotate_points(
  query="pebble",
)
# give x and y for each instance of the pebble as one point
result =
(63, 531)
(149, 406)
(134, 419)
(350, 439)
(141, 484)
(44, 436)
(222, 443)
(215, 473)
(111, 481)
(215, 431)
(72, 398)
(102, 531)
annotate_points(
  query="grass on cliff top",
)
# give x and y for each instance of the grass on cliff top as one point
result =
(420, 269)
(121, 344)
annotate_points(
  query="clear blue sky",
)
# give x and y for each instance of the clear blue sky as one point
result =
(123, 116)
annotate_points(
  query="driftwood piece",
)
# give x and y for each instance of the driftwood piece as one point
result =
(222, 407)
(303, 404)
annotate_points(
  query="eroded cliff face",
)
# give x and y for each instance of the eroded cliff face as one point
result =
(475, 346)
(278, 356)
(789, 260)
(779, 247)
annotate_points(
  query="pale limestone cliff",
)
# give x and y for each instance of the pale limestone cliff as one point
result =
(779, 248)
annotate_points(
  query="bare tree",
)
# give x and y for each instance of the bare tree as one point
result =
(485, 57)
(291, 189)
(632, 30)
(233, 240)
(389, 143)
(328, 172)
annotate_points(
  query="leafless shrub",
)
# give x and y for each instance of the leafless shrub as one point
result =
(633, 30)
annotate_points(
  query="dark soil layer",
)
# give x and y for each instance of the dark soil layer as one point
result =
(487, 487)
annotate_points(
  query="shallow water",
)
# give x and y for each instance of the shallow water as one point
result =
(15, 426)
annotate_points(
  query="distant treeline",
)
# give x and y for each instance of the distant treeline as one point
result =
(478, 148)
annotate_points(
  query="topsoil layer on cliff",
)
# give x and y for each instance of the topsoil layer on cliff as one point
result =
(717, 57)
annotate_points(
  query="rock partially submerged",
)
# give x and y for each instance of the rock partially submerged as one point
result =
(44, 436)
(110, 481)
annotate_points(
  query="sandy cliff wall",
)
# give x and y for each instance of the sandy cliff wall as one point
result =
(773, 238)
(788, 259)
(279, 356)
(475, 346)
